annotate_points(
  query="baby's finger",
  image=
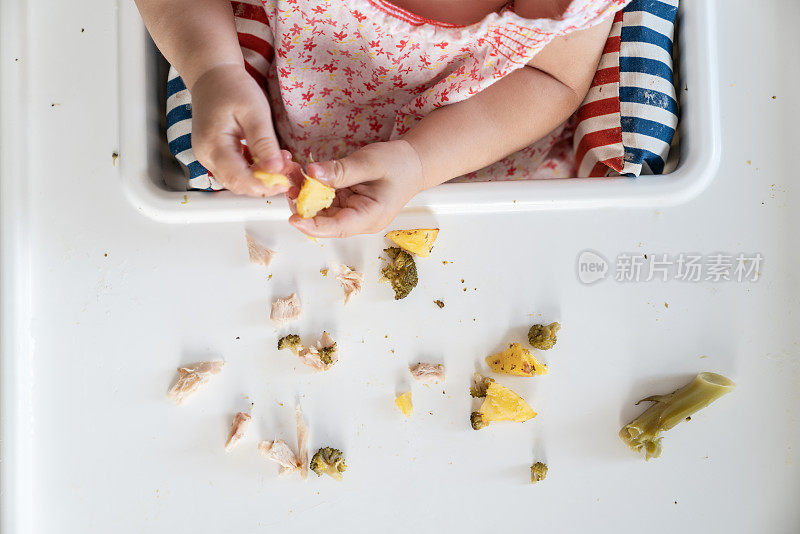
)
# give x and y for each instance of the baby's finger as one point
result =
(344, 223)
(351, 170)
(232, 171)
(262, 141)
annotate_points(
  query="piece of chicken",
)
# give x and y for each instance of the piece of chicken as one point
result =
(321, 355)
(427, 373)
(285, 310)
(279, 452)
(191, 377)
(302, 441)
(238, 427)
(258, 252)
(351, 281)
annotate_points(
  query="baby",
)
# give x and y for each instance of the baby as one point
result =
(389, 98)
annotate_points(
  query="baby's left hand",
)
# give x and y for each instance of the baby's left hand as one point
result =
(372, 186)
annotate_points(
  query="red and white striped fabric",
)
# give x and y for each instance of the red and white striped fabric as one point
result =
(598, 135)
(255, 38)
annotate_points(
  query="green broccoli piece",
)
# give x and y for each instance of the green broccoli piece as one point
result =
(477, 420)
(400, 271)
(291, 342)
(481, 384)
(328, 461)
(538, 472)
(326, 354)
(543, 337)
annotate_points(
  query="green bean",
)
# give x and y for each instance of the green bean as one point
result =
(668, 410)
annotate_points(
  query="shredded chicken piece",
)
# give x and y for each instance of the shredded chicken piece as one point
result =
(427, 373)
(302, 441)
(322, 355)
(350, 279)
(191, 377)
(258, 252)
(279, 452)
(285, 310)
(238, 427)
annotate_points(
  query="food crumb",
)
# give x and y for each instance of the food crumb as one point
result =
(269, 277)
(645, 256)
(237, 337)
(689, 418)
(774, 97)
(465, 289)
(185, 199)
(703, 357)
(462, 280)
(445, 262)
(105, 255)
(323, 272)
(749, 162)
(114, 158)
(666, 305)
(538, 472)
(439, 303)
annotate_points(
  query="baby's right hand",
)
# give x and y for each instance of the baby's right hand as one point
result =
(228, 106)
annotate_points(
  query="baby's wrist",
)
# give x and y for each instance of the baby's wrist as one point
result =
(204, 72)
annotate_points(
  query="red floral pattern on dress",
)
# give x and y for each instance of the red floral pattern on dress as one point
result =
(347, 73)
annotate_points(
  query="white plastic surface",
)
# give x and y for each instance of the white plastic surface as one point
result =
(100, 304)
(143, 177)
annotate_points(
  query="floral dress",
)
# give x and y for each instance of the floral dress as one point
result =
(341, 74)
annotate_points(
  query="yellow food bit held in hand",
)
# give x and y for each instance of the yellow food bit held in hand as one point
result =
(404, 404)
(271, 179)
(418, 241)
(313, 197)
(516, 360)
(501, 404)
(538, 472)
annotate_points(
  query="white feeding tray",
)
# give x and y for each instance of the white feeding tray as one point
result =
(146, 170)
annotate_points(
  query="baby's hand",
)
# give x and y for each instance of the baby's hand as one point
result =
(227, 106)
(372, 186)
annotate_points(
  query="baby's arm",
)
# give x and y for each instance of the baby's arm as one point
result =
(198, 37)
(376, 181)
(512, 113)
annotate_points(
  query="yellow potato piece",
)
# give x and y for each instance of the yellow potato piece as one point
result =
(404, 404)
(271, 179)
(502, 404)
(418, 241)
(313, 197)
(516, 360)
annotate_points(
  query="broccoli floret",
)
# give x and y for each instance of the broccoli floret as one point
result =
(477, 420)
(478, 389)
(543, 337)
(328, 461)
(538, 472)
(326, 354)
(401, 271)
(291, 342)
(642, 434)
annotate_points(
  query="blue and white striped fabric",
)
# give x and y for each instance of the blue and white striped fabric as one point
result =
(179, 133)
(628, 120)
(648, 105)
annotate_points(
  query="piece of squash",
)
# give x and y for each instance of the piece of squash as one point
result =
(502, 404)
(418, 241)
(313, 197)
(516, 360)
(404, 404)
(271, 179)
